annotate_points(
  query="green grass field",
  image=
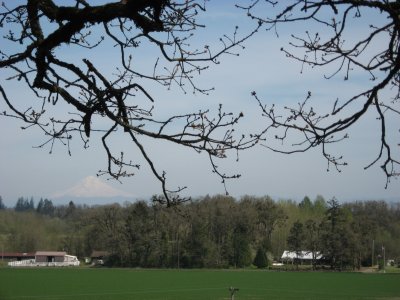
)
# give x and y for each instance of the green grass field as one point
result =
(118, 284)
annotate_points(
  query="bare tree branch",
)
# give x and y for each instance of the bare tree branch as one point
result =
(40, 31)
(375, 54)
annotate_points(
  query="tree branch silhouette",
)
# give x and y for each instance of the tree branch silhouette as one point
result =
(37, 35)
(375, 54)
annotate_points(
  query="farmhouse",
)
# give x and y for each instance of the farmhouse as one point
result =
(301, 256)
(46, 259)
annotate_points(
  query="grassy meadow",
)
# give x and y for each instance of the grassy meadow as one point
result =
(121, 284)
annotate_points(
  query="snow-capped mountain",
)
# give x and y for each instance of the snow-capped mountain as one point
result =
(91, 188)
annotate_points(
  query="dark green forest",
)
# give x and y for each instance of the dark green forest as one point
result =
(208, 232)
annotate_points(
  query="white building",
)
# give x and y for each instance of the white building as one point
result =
(47, 259)
(304, 256)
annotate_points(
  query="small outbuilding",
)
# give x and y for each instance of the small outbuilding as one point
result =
(49, 256)
(98, 257)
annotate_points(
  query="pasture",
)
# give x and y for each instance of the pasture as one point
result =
(124, 284)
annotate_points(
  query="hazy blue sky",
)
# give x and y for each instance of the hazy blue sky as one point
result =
(26, 171)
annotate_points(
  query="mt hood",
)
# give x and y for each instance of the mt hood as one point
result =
(92, 186)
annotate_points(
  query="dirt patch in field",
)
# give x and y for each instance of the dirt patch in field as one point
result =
(369, 270)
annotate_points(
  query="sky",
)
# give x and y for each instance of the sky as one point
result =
(27, 171)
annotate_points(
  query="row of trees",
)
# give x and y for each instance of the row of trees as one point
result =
(214, 232)
(44, 206)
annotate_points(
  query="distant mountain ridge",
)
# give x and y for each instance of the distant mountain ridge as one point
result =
(93, 201)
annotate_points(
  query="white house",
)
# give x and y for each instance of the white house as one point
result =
(305, 256)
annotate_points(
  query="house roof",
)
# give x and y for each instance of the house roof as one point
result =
(17, 254)
(99, 254)
(50, 253)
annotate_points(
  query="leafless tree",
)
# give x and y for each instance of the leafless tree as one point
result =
(36, 38)
(373, 53)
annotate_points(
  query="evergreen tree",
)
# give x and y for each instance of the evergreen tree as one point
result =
(261, 260)
(306, 204)
(336, 238)
(31, 204)
(39, 207)
(70, 209)
(2, 206)
(21, 204)
(312, 239)
(241, 246)
(48, 207)
(295, 240)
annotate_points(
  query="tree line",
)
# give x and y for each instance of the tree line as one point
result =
(208, 232)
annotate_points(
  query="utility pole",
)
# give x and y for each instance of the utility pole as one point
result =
(372, 257)
(384, 263)
(178, 252)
